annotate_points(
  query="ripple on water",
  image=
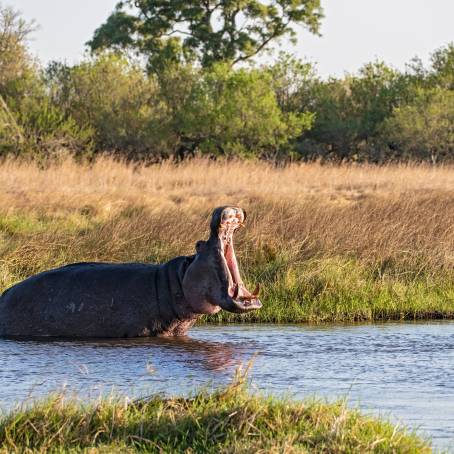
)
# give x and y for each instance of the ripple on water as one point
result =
(401, 370)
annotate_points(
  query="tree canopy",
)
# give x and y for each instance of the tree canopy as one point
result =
(200, 106)
(209, 31)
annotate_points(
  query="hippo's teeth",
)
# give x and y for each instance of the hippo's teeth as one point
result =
(235, 291)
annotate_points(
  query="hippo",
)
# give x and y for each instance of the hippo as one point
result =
(119, 300)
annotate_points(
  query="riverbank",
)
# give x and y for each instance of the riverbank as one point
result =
(230, 420)
(327, 243)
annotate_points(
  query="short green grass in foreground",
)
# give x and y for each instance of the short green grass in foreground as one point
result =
(229, 421)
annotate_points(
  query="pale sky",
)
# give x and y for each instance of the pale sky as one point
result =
(354, 31)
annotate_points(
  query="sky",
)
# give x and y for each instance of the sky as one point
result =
(353, 31)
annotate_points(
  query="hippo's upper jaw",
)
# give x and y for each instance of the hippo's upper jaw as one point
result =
(225, 221)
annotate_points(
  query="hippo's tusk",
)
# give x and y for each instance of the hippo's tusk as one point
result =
(235, 291)
(256, 292)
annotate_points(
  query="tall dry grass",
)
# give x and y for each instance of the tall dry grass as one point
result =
(367, 211)
(391, 224)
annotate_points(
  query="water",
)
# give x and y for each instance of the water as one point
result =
(404, 371)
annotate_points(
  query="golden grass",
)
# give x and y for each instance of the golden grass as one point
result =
(196, 183)
(393, 222)
(364, 209)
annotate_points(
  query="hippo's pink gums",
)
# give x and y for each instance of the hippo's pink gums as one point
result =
(132, 299)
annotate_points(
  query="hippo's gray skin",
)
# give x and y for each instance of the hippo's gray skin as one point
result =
(87, 300)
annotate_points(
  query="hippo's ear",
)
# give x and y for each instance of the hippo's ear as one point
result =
(244, 213)
(200, 246)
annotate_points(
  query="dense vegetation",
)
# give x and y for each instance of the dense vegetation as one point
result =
(230, 420)
(114, 102)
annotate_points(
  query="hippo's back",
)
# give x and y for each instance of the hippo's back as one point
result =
(82, 300)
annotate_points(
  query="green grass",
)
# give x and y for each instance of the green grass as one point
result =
(227, 421)
(339, 289)
(317, 288)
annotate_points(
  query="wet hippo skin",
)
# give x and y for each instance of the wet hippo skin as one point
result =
(87, 300)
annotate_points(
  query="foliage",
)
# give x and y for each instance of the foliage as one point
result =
(182, 111)
(442, 74)
(15, 69)
(41, 129)
(115, 99)
(218, 117)
(30, 123)
(349, 111)
(424, 129)
(14, 57)
(211, 31)
(283, 111)
(293, 83)
(50, 133)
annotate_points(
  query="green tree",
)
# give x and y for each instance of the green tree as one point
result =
(293, 82)
(15, 69)
(235, 112)
(114, 98)
(349, 111)
(442, 71)
(424, 129)
(30, 124)
(209, 30)
(15, 60)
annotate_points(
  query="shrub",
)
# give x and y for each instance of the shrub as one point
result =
(349, 111)
(235, 112)
(424, 129)
(115, 99)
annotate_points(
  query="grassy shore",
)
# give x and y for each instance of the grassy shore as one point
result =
(327, 243)
(229, 421)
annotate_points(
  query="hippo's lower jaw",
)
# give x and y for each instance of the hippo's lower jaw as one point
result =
(238, 305)
(241, 299)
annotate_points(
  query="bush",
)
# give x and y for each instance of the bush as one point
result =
(181, 111)
(49, 132)
(115, 99)
(15, 69)
(424, 129)
(349, 111)
(235, 113)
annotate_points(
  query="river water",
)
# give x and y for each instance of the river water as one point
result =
(403, 371)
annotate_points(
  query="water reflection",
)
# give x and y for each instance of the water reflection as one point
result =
(30, 368)
(196, 353)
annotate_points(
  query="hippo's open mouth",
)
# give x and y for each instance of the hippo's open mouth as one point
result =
(231, 220)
